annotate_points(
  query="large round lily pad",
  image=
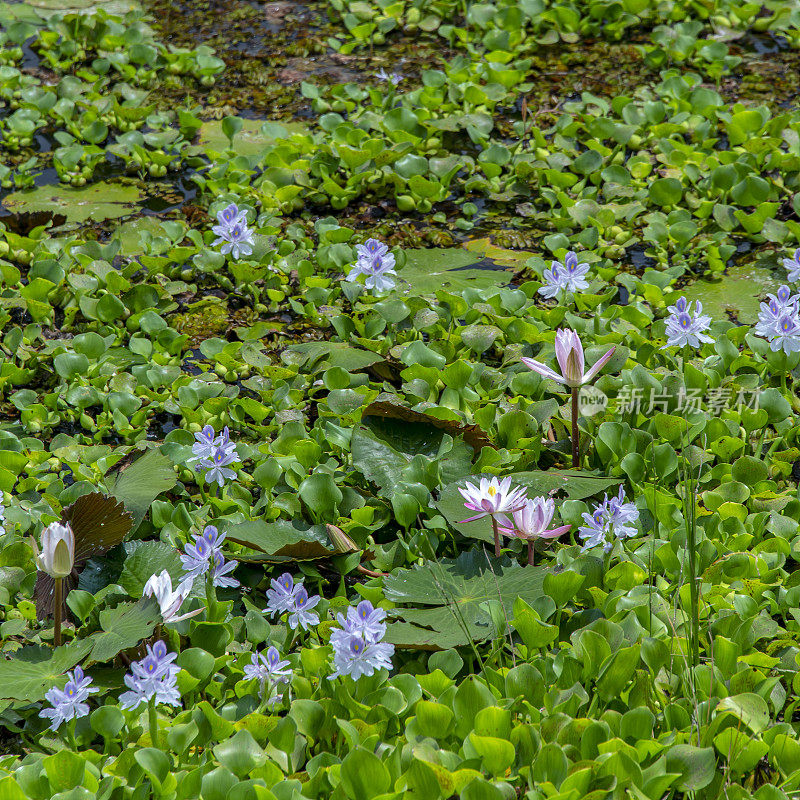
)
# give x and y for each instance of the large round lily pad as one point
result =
(452, 269)
(739, 292)
(98, 202)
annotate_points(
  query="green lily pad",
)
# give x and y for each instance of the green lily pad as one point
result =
(738, 293)
(453, 269)
(97, 202)
(254, 136)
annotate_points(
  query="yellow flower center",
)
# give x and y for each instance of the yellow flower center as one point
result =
(492, 491)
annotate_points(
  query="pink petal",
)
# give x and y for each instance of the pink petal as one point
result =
(544, 371)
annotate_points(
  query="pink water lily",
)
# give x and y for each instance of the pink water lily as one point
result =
(495, 499)
(569, 354)
(531, 521)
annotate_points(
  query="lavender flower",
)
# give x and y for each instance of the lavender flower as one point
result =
(532, 519)
(233, 233)
(793, 266)
(270, 671)
(566, 277)
(768, 318)
(376, 268)
(69, 702)
(357, 646)
(684, 328)
(394, 78)
(569, 354)
(152, 678)
(611, 518)
(370, 249)
(786, 333)
(281, 595)
(493, 498)
(199, 556)
(300, 613)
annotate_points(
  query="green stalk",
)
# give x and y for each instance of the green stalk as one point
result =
(496, 538)
(576, 463)
(59, 601)
(152, 720)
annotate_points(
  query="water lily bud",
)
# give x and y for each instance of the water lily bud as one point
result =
(58, 550)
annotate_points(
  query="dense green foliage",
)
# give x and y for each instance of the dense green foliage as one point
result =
(358, 415)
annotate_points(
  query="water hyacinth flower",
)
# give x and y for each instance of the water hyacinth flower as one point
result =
(687, 328)
(205, 554)
(232, 232)
(377, 270)
(169, 601)
(494, 499)
(786, 333)
(792, 265)
(270, 671)
(531, 521)
(214, 454)
(612, 519)
(779, 321)
(357, 646)
(568, 276)
(300, 612)
(393, 77)
(217, 467)
(281, 594)
(57, 555)
(152, 678)
(69, 702)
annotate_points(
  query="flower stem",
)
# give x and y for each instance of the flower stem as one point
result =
(153, 722)
(59, 601)
(530, 554)
(575, 435)
(496, 538)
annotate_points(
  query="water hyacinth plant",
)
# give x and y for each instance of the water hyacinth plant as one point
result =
(70, 702)
(570, 358)
(686, 328)
(232, 232)
(358, 648)
(561, 278)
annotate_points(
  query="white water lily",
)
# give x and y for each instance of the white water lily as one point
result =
(57, 555)
(169, 601)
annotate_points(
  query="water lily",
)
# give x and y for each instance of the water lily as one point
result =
(169, 601)
(494, 499)
(56, 559)
(531, 521)
(569, 354)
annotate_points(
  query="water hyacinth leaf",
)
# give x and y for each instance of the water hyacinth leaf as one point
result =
(240, 754)
(695, 764)
(145, 559)
(364, 775)
(64, 770)
(750, 708)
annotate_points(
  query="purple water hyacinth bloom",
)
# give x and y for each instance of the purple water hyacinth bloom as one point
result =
(493, 498)
(611, 519)
(394, 77)
(687, 328)
(356, 657)
(793, 266)
(69, 702)
(784, 298)
(376, 269)
(270, 671)
(230, 215)
(206, 441)
(371, 248)
(768, 318)
(199, 556)
(152, 678)
(216, 467)
(570, 357)
(786, 333)
(364, 620)
(300, 613)
(281, 594)
(236, 238)
(568, 276)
